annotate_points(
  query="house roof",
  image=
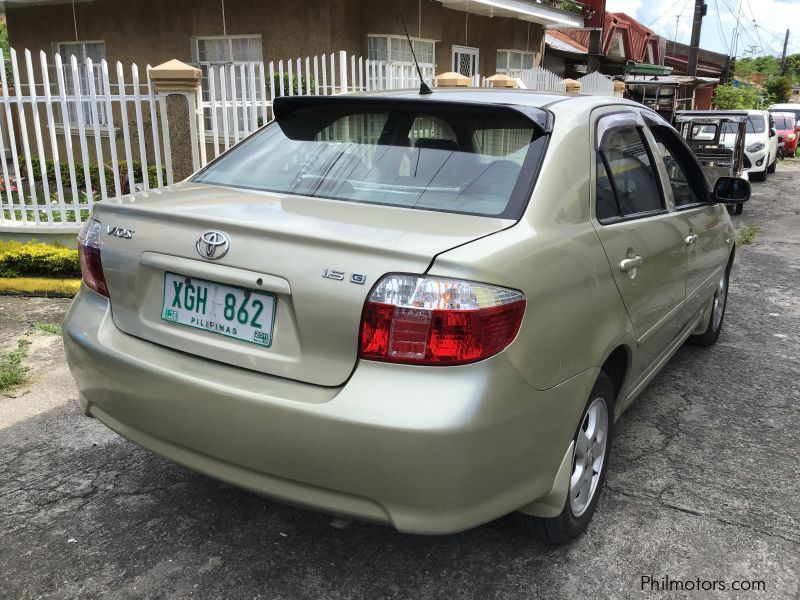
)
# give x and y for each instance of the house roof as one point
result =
(526, 10)
(636, 35)
(558, 40)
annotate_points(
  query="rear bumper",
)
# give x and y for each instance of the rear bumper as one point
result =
(428, 450)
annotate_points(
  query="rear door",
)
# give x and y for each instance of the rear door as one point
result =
(643, 241)
(704, 226)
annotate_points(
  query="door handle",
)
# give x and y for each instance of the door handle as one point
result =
(691, 239)
(628, 264)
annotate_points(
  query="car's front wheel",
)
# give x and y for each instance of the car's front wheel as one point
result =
(589, 465)
(711, 334)
(771, 168)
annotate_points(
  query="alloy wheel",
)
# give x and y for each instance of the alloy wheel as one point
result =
(589, 457)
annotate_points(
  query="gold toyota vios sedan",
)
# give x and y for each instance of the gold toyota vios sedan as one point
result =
(426, 311)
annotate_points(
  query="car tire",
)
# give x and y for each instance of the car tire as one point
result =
(578, 511)
(771, 168)
(710, 336)
(737, 210)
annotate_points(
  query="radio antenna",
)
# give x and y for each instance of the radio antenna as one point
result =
(423, 87)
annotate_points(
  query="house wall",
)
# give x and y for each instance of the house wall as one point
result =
(153, 31)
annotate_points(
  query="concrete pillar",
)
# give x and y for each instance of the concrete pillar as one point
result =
(501, 81)
(177, 86)
(573, 86)
(452, 79)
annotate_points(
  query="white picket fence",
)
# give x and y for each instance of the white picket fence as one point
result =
(540, 79)
(65, 124)
(237, 98)
(597, 84)
(82, 122)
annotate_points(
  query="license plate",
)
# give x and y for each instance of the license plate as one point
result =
(222, 309)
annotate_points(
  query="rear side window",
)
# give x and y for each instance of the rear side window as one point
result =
(627, 184)
(450, 158)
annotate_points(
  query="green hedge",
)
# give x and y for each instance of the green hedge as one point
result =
(94, 174)
(31, 259)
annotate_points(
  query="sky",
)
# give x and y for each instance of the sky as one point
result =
(763, 23)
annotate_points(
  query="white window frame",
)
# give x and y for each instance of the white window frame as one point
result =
(204, 65)
(509, 70)
(393, 72)
(391, 60)
(72, 114)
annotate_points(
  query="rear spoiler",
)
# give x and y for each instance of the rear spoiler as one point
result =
(285, 105)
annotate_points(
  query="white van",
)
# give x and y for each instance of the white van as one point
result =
(791, 108)
(760, 143)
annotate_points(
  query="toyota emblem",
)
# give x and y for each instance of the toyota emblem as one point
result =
(212, 245)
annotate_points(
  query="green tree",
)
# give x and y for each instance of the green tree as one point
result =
(728, 97)
(779, 89)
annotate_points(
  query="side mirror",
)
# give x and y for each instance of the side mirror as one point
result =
(731, 190)
(772, 132)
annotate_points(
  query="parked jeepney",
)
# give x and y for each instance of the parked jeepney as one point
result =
(717, 138)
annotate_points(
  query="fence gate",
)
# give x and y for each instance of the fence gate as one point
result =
(73, 133)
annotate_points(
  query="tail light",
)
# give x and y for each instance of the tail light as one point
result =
(435, 321)
(89, 253)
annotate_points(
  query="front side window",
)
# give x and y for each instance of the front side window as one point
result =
(450, 159)
(96, 51)
(685, 176)
(626, 174)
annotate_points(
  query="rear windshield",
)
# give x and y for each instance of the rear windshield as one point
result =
(447, 158)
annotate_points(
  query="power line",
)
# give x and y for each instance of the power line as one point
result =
(673, 5)
(720, 29)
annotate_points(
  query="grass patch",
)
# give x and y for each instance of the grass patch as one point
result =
(39, 286)
(48, 328)
(12, 373)
(747, 234)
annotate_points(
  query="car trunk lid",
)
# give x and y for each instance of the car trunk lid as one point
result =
(316, 258)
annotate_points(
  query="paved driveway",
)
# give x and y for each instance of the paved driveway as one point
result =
(704, 484)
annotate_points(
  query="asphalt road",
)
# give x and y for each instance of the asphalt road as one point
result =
(704, 483)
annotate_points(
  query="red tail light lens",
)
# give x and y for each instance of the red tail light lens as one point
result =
(89, 254)
(435, 321)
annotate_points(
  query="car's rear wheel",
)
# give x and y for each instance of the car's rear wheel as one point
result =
(711, 334)
(589, 464)
(737, 209)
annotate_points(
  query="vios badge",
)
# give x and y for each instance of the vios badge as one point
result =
(212, 245)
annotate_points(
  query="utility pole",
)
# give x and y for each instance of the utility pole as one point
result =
(677, 22)
(783, 56)
(694, 47)
(735, 35)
